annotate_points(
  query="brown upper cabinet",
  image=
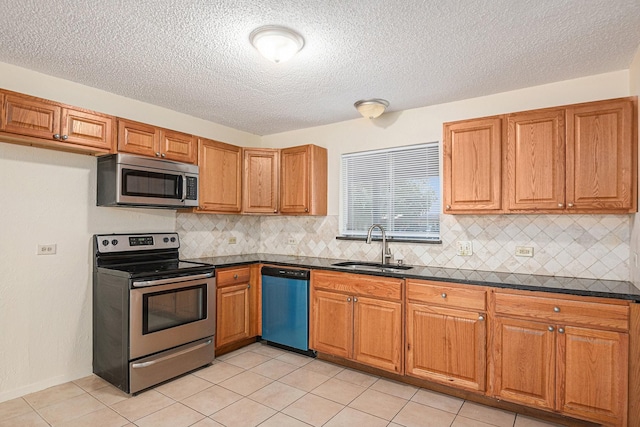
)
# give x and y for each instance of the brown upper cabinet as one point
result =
(472, 163)
(290, 181)
(30, 120)
(573, 159)
(303, 180)
(147, 140)
(220, 177)
(260, 190)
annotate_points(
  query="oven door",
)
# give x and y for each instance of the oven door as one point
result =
(166, 315)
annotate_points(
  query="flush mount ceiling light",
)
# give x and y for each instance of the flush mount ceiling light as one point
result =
(371, 108)
(275, 43)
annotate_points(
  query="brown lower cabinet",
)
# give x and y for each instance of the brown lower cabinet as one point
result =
(568, 355)
(237, 304)
(446, 334)
(357, 317)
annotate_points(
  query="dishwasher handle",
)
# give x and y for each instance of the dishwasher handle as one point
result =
(289, 273)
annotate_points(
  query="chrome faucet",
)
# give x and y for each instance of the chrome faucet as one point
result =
(386, 251)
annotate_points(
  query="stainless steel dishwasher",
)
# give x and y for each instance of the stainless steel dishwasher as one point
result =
(285, 308)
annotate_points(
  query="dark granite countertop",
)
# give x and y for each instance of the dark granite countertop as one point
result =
(565, 285)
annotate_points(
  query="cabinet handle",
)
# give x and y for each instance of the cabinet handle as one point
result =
(448, 207)
(561, 330)
(162, 155)
(306, 209)
(560, 205)
(235, 276)
(481, 318)
(348, 299)
(556, 309)
(65, 137)
(570, 205)
(157, 154)
(56, 136)
(355, 299)
(443, 295)
(275, 211)
(248, 286)
(550, 328)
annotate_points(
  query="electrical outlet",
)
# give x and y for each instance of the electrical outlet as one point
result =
(524, 251)
(464, 247)
(232, 240)
(47, 249)
(291, 241)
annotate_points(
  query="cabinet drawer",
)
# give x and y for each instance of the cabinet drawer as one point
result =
(563, 311)
(446, 295)
(358, 284)
(232, 276)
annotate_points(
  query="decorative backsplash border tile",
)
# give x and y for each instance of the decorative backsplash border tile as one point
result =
(589, 246)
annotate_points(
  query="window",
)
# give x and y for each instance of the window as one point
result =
(398, 188)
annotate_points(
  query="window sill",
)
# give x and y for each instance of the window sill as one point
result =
(392, 240)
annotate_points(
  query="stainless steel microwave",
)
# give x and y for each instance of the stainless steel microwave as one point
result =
(131, 180)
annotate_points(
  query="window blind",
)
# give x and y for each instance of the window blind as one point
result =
(398, 188)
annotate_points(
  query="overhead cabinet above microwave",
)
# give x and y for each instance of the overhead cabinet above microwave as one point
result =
(152, 141)
(573, 159)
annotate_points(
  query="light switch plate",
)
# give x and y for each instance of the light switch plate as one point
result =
(464, 247)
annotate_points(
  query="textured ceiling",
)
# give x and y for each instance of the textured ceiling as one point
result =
(194, 56)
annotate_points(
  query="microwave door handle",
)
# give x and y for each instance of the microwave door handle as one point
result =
(183, 196)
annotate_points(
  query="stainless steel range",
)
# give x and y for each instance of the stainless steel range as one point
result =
(153, 314)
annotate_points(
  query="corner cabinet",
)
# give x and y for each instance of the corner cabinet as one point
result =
(303, 180)
(54, 125)
(472, 165)
(260, 189)
(151, 141)
(565, 354)
(446, 333)
(357, 317)
(220, 177)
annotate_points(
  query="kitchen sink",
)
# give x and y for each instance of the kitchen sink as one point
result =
(371, 266)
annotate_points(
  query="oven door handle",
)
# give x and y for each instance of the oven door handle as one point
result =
(142, 284)
(170, 356)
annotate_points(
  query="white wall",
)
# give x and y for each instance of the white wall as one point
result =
(50, 197)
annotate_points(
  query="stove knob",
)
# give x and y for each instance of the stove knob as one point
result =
(105, 242)
(166, 240)
(173, 239)
(114, 242)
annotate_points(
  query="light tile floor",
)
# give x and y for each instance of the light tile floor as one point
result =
(256, 385)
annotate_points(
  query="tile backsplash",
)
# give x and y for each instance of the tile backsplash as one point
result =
(589, 246)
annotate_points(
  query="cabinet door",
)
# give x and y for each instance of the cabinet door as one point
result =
(138, 138)
(294, 179)
(232, 314)
(601, 156)
(92, 130)
(220, 176)
(593, 374)
(377, 333)
(524, 362)
(178, 146)
(472, 165)
(331, 323)
(25, 115)
(446, 346)
(260, 193)
(536, 160)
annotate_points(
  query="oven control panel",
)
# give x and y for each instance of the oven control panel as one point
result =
(109, 243)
